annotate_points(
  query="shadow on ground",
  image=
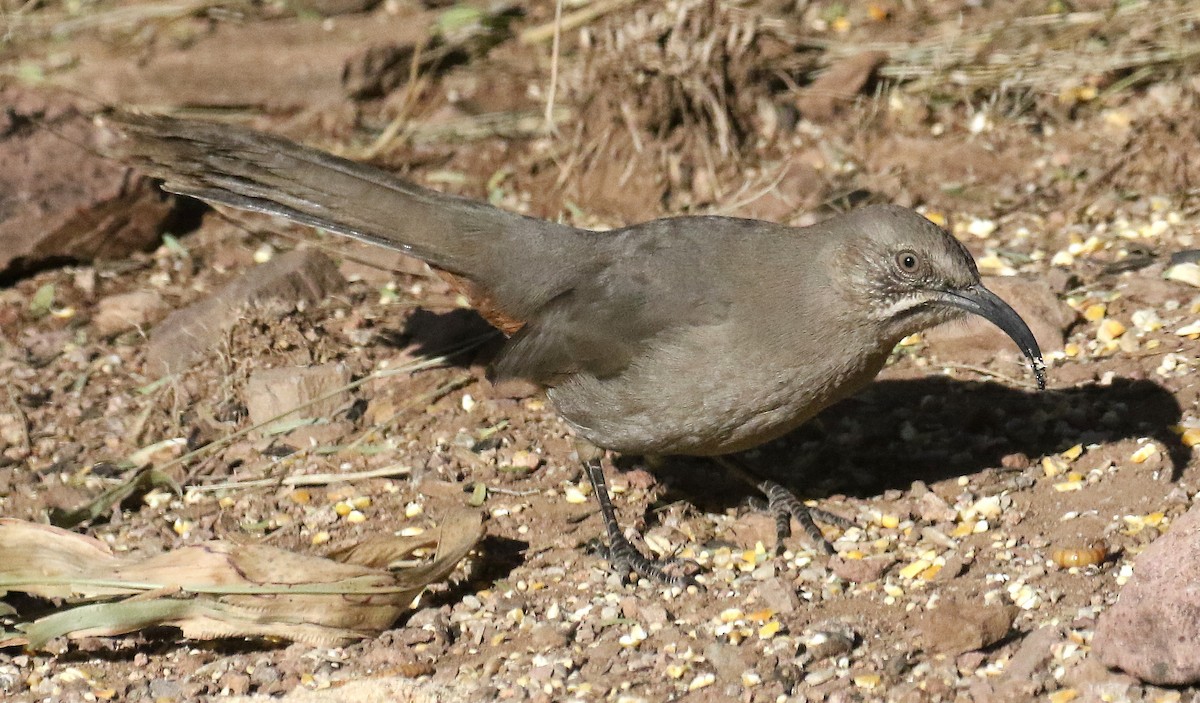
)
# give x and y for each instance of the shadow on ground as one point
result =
(899, 431)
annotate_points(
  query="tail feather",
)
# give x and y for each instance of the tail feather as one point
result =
(251, 170)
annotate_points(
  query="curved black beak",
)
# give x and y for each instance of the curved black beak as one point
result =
(981, 301)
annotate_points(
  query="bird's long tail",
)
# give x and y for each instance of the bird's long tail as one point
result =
(252, 170)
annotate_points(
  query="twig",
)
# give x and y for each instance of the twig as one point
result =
(554, 67)
(725, 209)
(308, 479)
(26, 442)
(536, 35)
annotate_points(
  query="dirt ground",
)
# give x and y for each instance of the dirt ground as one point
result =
(1057, 140)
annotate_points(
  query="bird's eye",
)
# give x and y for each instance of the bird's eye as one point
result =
(908, 261)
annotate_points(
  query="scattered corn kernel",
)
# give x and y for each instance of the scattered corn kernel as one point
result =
(1144, 452)
(413, 509)
(1186, 272)
(411, 531)
(1109, 330)
(301, 496)
(889, 521)
(574, 495)
(361, 502)
(1147, 320)
(988, 506)
(1190, 436)
(342, 508)
(914, 569)
(320, 537)
(1095, 312)
(936, 218)
(731, 615)
(867, 681)
(1191, 331)
(633, 638)
(963, 529)
(769, 630)
(1073, 453)
(355, 517)
(1063, 695)
(981, 228)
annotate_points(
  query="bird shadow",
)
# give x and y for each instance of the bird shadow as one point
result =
(461, 335)
(896, 432)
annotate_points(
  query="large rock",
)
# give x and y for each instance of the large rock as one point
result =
(954, 628)
(974, 339)
(187, 334)
(273, 392)
(127, 311)
(61, 201)
(1153, 632)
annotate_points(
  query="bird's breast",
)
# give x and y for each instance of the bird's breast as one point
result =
(698, 398)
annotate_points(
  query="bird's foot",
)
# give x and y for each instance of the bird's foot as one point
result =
(624, 559)
(785, 506)
(622, 556)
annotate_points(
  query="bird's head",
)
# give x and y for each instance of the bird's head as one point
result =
(909, 274)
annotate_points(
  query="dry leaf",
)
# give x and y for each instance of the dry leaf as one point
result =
(219, 589)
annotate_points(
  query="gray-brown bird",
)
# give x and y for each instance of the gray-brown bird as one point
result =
(686, 335)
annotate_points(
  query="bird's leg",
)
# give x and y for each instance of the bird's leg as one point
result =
(785, 506)
(622, 555)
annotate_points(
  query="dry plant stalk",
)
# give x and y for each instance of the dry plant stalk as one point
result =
(683, 65)
(220, 589)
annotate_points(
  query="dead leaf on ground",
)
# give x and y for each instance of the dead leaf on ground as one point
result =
(220, 589)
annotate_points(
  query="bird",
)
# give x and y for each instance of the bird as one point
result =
(688, 335)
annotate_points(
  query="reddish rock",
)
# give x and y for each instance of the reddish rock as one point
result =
(60, 200)
(127, 311)
(182, 338)
(778, 595)
(1153, 631)
(272, 392)
(954, 628)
